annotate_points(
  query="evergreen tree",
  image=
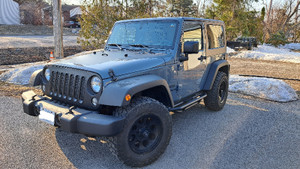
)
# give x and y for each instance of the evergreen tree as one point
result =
(97, 20)
(182, 8)
(238, 18)
(99, 16)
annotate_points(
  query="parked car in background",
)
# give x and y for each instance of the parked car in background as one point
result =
(72, 24)
(251, 40)
(243, 43)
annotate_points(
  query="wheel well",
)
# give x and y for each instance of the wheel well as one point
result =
(225, 69)
(158, 93)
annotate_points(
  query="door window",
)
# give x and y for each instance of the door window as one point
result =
(192, 32)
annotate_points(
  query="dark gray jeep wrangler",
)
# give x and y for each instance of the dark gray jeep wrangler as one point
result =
(149, 68)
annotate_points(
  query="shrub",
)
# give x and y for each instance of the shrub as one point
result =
(278, 39)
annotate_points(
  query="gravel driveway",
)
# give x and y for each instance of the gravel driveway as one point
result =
(247, 133)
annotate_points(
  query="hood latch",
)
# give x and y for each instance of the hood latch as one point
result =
(111, 73)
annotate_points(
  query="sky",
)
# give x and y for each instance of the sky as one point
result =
(70, 2)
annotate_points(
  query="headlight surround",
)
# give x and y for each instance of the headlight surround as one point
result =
(47, 74)
(96, 84)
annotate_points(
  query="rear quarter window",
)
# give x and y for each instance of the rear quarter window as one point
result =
(215, 35)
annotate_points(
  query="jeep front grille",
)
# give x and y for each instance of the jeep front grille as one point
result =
(69, 87)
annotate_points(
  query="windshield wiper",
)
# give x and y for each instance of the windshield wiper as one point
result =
(117, 45)
(143, 46)
(139, 45)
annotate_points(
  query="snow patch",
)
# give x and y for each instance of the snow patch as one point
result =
(266, 88)
(294, 46)
(267, 52)
(20, 75)
(229, 50)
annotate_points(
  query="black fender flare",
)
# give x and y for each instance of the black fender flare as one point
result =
(36, 78)
(213, 71)
(114, 92)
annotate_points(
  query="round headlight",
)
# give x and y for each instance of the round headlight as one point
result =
(47, 74)
(96, 83)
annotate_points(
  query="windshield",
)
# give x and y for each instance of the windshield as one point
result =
(153, 34)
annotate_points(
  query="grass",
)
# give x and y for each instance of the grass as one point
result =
(8, 89)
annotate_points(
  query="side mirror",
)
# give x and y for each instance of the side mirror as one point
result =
(191, 47)
(183, 58)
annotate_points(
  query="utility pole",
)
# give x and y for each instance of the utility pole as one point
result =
(57, 29)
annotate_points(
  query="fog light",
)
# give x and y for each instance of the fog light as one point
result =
(94, 101)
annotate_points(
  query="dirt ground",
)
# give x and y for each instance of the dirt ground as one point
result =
(288, 72)
(7, 89)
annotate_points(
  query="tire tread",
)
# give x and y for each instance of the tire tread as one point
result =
(123, 112)
(211, 101)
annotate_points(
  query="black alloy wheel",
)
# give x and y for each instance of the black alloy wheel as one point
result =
(222, 92)
(145, 134)
(217, 96)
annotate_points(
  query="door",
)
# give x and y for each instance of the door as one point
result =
(190, 72)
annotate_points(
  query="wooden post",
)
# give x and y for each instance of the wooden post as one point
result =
(57, 29)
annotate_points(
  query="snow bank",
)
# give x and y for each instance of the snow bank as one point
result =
(229, 50)
(294, 46)
(20, 75)
(266, 88)
(266, 52)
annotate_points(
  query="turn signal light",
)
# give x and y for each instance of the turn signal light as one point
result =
(127, 97)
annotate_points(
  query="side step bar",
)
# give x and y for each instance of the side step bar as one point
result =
(188, 105)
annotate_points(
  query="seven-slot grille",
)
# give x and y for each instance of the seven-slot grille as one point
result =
(66, 86)
(71, 86)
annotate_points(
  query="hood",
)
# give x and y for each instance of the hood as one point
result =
(121, 62)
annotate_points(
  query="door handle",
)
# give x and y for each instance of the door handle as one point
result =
(201, 58)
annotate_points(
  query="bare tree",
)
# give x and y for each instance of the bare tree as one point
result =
(291, 12)
(282, 19)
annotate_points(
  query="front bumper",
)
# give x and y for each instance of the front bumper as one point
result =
(72, 119)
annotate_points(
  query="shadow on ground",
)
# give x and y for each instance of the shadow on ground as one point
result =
(245, 134)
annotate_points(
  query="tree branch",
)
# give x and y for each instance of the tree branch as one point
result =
(290, 14)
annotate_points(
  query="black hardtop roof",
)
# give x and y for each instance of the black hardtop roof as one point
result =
(173, 18)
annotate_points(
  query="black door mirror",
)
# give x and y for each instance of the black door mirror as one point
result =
(191, 47)
(183, 58)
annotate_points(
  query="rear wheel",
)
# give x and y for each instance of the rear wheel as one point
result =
(217, 96)
(146, 134)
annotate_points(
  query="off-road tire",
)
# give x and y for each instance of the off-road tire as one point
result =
(214, 101)
(140, 108)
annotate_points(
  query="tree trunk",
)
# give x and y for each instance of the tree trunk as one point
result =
(269, 11)
(57, 29)
(267, 24)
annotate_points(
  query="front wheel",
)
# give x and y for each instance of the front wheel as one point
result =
(217, 96)
(146, 134)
